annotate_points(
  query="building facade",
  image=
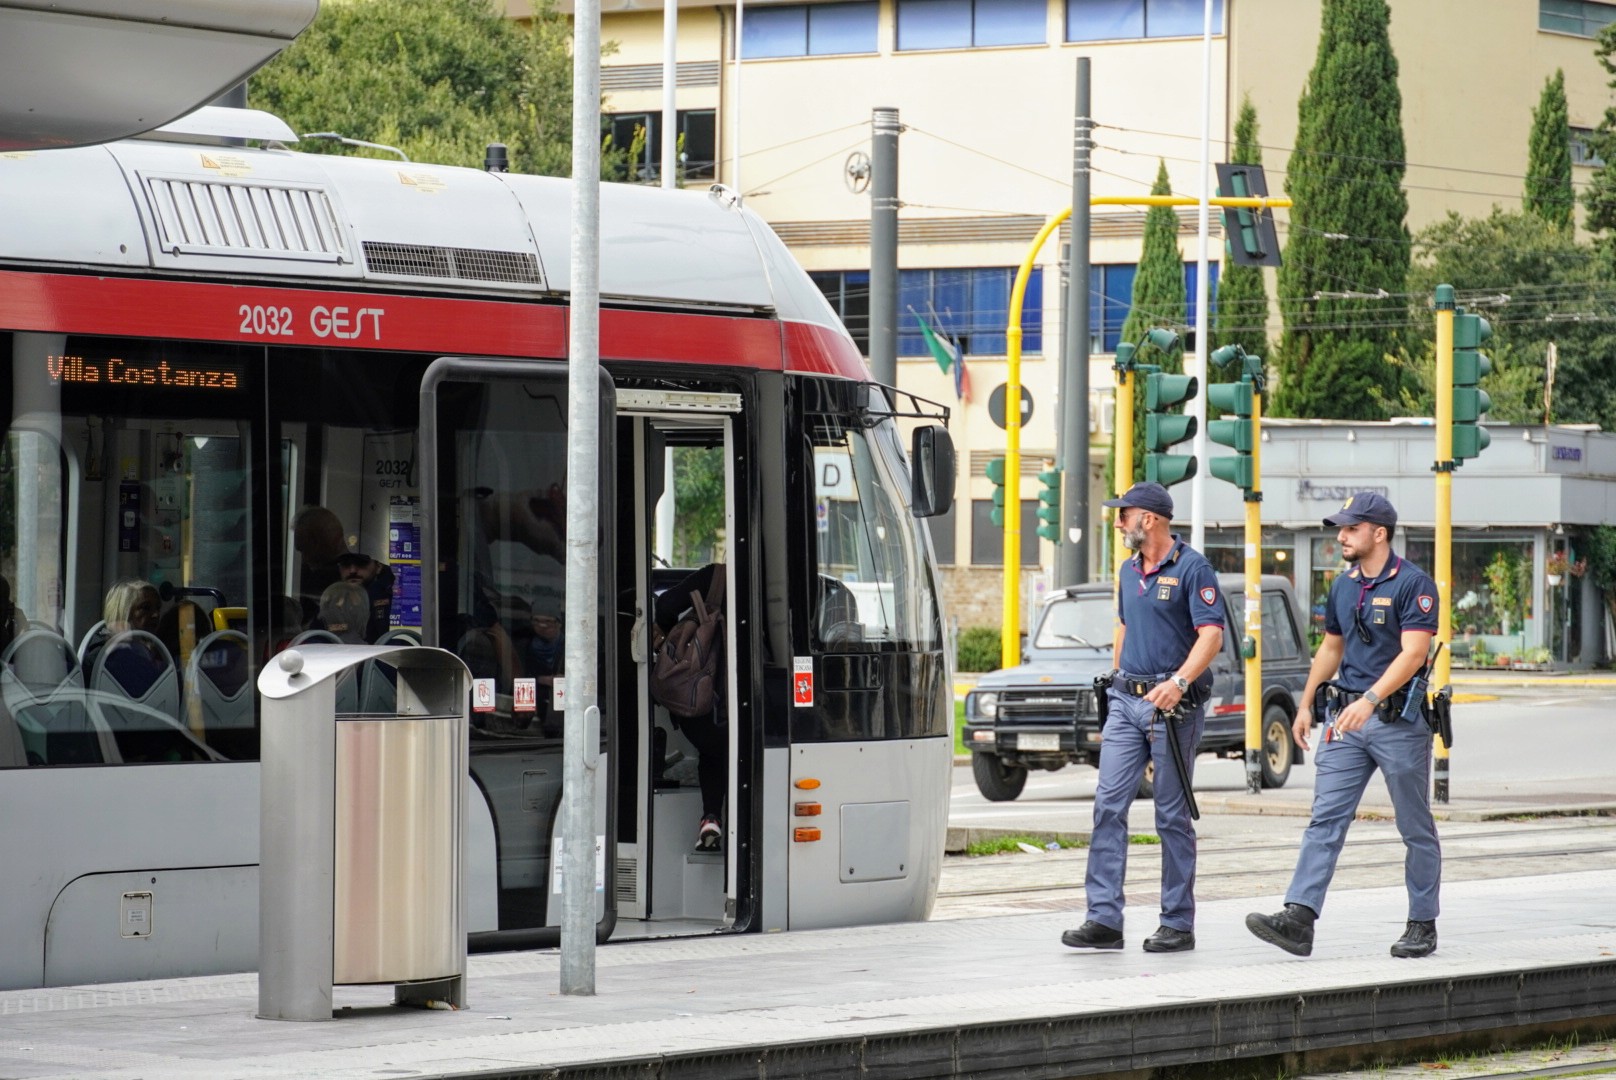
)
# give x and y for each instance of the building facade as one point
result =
(775, 101)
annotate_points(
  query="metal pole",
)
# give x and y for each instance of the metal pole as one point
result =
(583, 512)
(1123, 431)
(670, 93)
(1254, 684)
(1072, 556)
(884, 247)
(1444, 515)
(735, 105)
(1197, 404)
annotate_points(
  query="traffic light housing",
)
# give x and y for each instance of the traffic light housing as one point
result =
(995, 471)
(1470, 401)
(1049, 499)
(1164, 430)
(1237, 400)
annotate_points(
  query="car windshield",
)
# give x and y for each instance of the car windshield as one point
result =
(1076, 621)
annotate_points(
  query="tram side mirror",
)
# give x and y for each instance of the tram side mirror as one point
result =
(931, 462)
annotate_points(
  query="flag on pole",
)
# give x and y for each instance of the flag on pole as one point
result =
(947, 353)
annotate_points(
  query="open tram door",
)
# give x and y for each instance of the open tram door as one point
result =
(491, 584)
(678, 464)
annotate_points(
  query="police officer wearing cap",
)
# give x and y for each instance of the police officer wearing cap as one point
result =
(1169, 628)
(1377, 631)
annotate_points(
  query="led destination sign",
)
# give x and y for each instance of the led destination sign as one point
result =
(162, 374)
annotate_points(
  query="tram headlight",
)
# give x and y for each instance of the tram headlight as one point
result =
(984, 703)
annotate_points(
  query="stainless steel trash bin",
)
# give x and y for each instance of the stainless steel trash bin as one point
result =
(361, 829)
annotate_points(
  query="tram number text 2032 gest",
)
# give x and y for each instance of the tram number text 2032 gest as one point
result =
(268, 320)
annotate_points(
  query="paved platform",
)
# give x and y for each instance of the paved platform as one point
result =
(979, 997)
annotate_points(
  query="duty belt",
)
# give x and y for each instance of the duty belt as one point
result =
(1137, 687)
(1389, 709)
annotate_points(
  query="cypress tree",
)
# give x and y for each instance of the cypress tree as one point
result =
(1600, 197)
(1347, 229)
(1548, 163)
(1242, 312)
(1158, 300)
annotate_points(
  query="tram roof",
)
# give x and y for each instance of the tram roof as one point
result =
(199, 208)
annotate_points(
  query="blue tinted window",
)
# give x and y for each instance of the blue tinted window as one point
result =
(1110, 297)
(1180, 18)
(841, 28)
(934, 24)
(1190, 269)
(970, 306)
(774, 31)
(1010, 22)
(1102, 20)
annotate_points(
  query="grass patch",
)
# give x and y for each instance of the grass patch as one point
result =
(1011, 845)
(1144, 838)
(959, 728)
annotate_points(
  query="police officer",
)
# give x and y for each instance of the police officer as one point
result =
(1169, 628)
(1377, 630)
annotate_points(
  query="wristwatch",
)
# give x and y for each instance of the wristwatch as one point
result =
(1182, 683)
(1371, 697)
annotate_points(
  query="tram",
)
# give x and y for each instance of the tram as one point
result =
(240, 383)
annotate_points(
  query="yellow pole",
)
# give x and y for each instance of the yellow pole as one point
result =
(1010, 634)
(1254, 682)
(1444, 515)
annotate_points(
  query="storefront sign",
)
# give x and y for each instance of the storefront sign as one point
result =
(1311, 492)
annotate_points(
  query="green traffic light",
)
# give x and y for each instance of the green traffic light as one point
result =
(1240, 434)
(1164, 339)
(1169, 469)
(996, 515)
(1164, 430)
(1232, 397)
(1237, 469)
(1163, 390)
(1469, 366)
(1469, 441)
(1470, 404)
(995, 470)
(1049, 514)
(1470, 331)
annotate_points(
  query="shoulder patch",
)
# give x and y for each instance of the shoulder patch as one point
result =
(1426, 603)
(1209, 595)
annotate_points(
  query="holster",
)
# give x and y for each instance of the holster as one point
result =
(1102, 696)
(1440, 716)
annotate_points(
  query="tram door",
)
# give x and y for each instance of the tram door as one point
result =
(677, 450)
(495, 489)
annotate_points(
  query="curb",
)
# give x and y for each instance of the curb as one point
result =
(960, 838)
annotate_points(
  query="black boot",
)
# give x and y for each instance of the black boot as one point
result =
(1290, 929)
(1418, 940)
(1093, 935)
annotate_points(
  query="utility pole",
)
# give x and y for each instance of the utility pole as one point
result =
(884, 247)
(670, 93)
(1203, 290)
(581, 753)
(1072, 556)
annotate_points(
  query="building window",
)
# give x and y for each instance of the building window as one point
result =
(698, 129)
(1584, 18)
(1111, 297)
(809, 30)
(971, 306)
(963, 24)
(1582, 150)
(987, 539)
(1107, 20)
(849, 294)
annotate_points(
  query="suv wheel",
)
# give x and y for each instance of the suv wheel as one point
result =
(996, 781)
(1278, 751)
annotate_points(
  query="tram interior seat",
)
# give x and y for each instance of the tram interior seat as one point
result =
(839, 621)
(96, 635)
(347, 683)
(145, 719)
(42, 689)
(378, 680)
(217, 677)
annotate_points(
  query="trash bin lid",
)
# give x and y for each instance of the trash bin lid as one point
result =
(294, 670)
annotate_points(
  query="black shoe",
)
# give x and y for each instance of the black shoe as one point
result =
(1093, 935)
(1290, 929)
(1167, 939)
(1418, 940)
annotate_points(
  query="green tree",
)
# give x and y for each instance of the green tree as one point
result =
(1548, 162)
(1536, 285)
(1341, 288)
(438, 80)
(1599, 198)
(1158, 300)
(1242, 314)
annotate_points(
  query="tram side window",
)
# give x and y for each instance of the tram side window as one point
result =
(874, 587)
(125, 549)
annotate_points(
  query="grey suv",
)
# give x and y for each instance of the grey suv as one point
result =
(1041, 715)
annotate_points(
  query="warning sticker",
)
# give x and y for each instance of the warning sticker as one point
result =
(525, 695)
(482, 695)
(802, 681)
(226, 164)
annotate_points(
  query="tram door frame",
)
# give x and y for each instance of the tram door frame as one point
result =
(652, 411)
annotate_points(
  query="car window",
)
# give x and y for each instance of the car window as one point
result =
(1077, 621)
(1278, 628)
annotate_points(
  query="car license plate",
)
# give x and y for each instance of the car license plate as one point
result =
(1037, 742)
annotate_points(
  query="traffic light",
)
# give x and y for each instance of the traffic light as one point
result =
(1253, 239)
(1470, 401)
(1049, 499)
(995, 471)
(1164, 430)
(1236, 399)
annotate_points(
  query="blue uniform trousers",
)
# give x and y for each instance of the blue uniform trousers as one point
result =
(1402, 752)
(1124, 751)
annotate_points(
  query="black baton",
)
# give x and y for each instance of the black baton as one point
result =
(1169, 720)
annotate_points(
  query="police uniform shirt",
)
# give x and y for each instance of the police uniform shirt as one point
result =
(1164, 607)
(1402, 597)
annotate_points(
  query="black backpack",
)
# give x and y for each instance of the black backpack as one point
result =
(686, 669)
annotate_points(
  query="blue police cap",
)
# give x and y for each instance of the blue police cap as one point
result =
(1364, 506)
(1146, 496)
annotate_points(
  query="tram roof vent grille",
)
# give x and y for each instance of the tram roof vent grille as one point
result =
(460, 264)
(254, 218)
